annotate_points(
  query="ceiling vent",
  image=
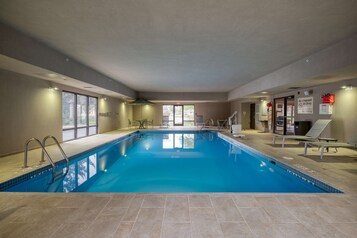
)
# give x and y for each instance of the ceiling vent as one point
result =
(294, 88)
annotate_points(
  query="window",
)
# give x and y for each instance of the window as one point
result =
(79, 115)
(176, 113)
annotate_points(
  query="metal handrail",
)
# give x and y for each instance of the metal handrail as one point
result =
(44, 151)
(62, 152)
(58, 145)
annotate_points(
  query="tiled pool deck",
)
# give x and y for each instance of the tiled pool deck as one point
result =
(190, 215)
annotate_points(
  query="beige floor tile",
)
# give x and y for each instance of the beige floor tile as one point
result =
(176, 202)
(225, 209)
(176, 209)
(148, 215)
(102, 228)
(315, 223)
(146, 230)
(254, 215)
(29, 230)
(202, 214)
(206, 230)
(199, 201)
(176, 230)
(348, 229)
(265, 230)
(276, 211)
(154, 201)
(114, 211)
(235, 230)
(131, 214)
(245, 201)
(71, 230)
(290, 201)
(80, 215)
(124, 230)
(120, 201)
(337, 214)
(295, 230)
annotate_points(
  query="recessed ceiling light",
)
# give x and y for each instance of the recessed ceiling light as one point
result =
(344, 86)
(51, 75)
(264, 92)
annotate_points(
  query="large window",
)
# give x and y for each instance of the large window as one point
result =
(179, 115)
(79, 115)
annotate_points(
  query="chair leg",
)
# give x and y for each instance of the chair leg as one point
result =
(274, 137)
(283, 142)
(322, 152)
(305, 150)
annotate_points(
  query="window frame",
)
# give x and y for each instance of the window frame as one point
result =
(76, 127)
(172, 122)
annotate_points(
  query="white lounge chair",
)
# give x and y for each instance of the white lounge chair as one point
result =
(311, 135)
(323, 145)
(199, 121)
(165, 122)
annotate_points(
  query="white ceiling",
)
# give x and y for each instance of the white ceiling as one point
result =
(186, 45)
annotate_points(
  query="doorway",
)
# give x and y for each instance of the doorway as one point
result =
(284, 114)
(252, 116)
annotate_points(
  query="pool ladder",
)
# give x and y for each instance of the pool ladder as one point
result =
(56, 174)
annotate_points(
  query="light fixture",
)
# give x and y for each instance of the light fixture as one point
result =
(347, 87)
(53, 87)
(264, 92)
(308, 92)
(104, 98)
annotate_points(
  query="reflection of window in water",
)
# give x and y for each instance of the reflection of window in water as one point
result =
(178, 140)
(168, 141)
(69, 182)
(92, 165)
(82, 171)
(86, 168)
(185, 141)
(189, 141)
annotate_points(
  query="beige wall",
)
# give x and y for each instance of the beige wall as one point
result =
(29, 109)
(243, 109)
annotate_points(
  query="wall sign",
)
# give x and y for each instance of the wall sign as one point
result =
(325, 109)
(306, 105)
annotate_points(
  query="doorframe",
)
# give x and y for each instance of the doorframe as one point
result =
(285, 112)
(174, 122)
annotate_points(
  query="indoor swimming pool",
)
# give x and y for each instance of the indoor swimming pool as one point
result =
(174, 161)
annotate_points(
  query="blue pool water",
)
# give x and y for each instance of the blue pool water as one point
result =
(170, 162)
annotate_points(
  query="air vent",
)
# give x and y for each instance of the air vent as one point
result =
(294, 88)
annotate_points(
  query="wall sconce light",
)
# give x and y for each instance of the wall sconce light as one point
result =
(53, 87)
(308, 92)
(104, 98)
(347, 87)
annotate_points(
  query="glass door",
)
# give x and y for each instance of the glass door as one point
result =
(178, 115)
(284, 113)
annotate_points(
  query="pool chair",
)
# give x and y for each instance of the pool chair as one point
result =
(132, 124)
(165, 122)
(311, 135)
(326, 145)
(149, 123)
(236, 131)
(199, 121)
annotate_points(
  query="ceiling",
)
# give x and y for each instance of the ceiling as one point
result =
(186, 45)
